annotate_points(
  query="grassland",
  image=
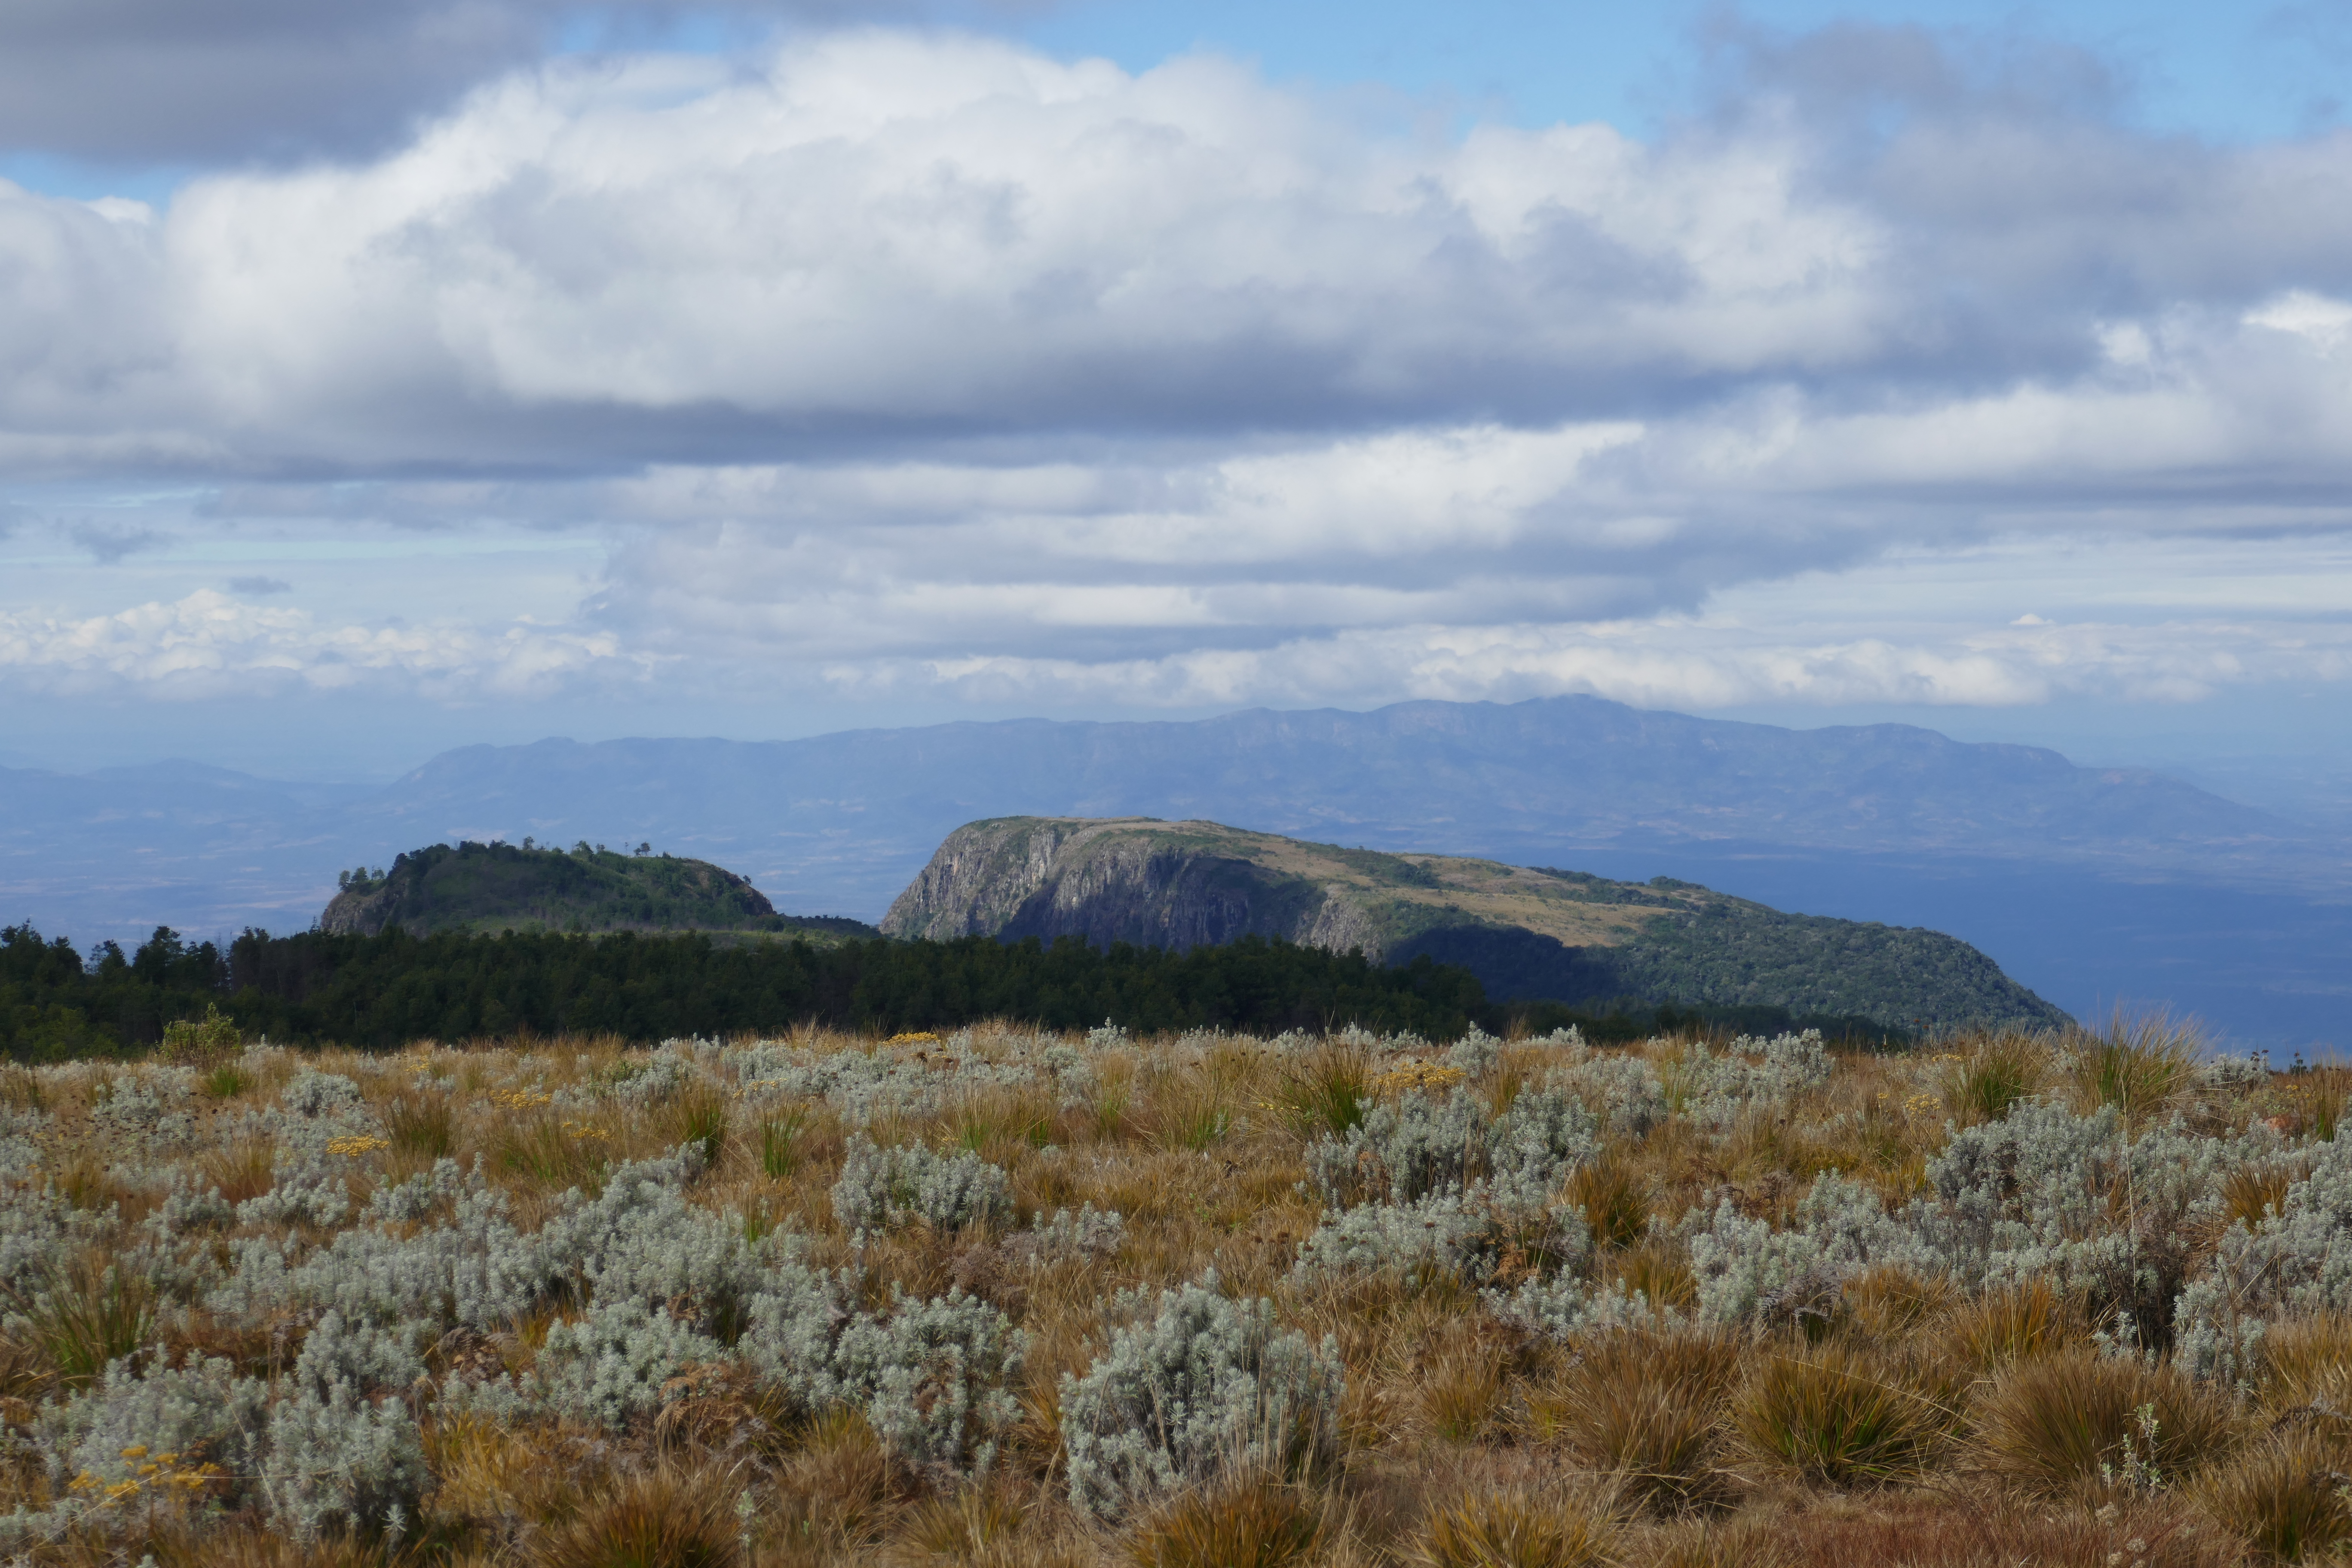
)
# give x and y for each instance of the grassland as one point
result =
(1005, 1297)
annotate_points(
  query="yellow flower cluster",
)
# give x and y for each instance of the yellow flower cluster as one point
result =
(519, 1098)
(580, 1129)
(164, 1473)
(918, 1037)
(1416, 1075)
(362, 1144)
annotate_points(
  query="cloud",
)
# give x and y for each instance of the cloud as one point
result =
(109, 543)
(183, 81)
(208, 645)
(895, 360)
(1676, 663)
(259, 588)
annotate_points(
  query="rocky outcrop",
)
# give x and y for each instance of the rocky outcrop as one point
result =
(1526, 932)
(1130, 879)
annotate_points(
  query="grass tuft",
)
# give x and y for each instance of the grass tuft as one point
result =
(1994, 1074)
(2003, 1327)
(1256, 1522)
(1516, 1527)
(1837, 1414)
(2139, 1065)
(84, 1314)
(699, 1116)
(980, 1526)
(1647, 1411)
(226, 1081)
(422, 1124)
(2286, 1498)
(780, 1140)
(2305, 1360)
(666, 1517)
(1329, 1089)
(2061, 1423)
(1616, 1208)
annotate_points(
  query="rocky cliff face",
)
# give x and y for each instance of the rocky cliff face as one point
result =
(1525, 932)
(1131, 879)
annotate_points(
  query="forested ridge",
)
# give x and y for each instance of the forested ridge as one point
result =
(382, 992)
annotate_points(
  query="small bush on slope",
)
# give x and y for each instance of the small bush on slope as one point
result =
(1203, 1382)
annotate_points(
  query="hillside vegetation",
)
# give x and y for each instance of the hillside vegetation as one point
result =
(382, 992)
(493, 888)
(1009, 1298)
(1526, 932)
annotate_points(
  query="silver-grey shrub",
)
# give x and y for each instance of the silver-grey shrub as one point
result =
(928, 1374)
(368, 1356)
(640, 1239)
(932, 1374)
(1403, 1150)
(616, 1362)
(883, 1187)
(1747, 1273)
(1463, 1236)
(339, 1462)
(1203, 1382)
(2295, 1261)
(1418, 1145)
(200, 1408)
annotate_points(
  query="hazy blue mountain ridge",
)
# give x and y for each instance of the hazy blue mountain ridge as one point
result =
(2088, 884)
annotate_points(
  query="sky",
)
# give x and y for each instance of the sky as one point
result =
(380, 379)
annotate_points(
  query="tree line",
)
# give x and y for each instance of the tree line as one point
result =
(378, 993)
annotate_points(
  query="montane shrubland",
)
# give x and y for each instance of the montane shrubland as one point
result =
(1003, 1297)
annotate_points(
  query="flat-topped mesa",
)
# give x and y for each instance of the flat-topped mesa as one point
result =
(488, 888)
(1526, 932)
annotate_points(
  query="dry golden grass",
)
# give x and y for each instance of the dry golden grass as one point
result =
(2061, 1423)
(1519, 1527)
(1844, 1416)
(1928, 1426)
(2013, 1325)
(1248, 1521)
(1647, 1411)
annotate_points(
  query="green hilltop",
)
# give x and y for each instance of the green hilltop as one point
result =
(486, 888)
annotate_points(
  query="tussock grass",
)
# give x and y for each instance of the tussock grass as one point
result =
(1518, 1527)
(2075, 1421)
(2306, 1360)
(1646, 1410)
(2014, 1324)
(1843, 1417)
(1252, 1522)
(1616, 1208)
(668, 1517)
(2287, 1496)
(2141, 1065)
(82, 1314)
(1930, 1418)
(1329, 1089)
(1994, 1073)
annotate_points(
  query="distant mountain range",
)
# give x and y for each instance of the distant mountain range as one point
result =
(2089, 885)
(1526, 932)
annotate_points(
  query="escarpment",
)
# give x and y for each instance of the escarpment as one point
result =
(1525, 931)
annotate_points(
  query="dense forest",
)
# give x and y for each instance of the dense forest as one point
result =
(382, 992)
